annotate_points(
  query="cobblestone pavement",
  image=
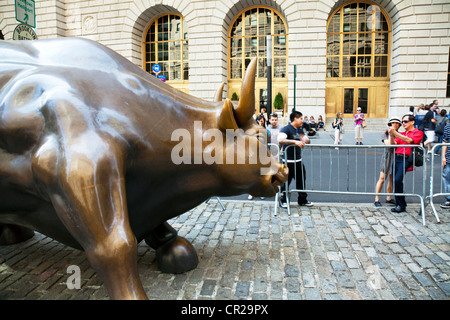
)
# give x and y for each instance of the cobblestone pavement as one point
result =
(350, 251)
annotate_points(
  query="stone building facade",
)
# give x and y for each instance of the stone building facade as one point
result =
(415, 54)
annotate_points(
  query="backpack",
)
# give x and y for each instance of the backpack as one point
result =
(332, 124)
(440, 127)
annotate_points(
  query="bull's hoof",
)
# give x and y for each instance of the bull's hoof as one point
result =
(176, 256)
(11, 234)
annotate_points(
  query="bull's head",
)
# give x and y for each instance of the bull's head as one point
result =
(253, 169)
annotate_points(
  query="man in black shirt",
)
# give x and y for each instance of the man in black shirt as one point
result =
(293, 134)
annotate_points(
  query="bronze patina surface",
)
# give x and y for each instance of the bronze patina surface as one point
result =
(86, 155)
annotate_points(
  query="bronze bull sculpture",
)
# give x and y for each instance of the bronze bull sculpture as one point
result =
(86, 156)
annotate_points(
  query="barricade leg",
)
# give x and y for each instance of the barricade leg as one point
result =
(221, 204)
(422, 210)
(275, 207)
(433, 208)
(219, 201)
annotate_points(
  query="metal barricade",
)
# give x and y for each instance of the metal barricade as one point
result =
(438, 184)
(353, 170)
(275, 151)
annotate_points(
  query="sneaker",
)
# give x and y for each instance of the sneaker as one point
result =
(377, 204)
(307, 203)
(391, 202)
(398, 209)
(283, 203)
(445, 205)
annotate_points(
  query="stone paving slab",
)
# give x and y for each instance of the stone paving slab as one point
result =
(346, 251)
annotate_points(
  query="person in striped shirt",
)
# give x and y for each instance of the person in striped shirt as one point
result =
(446, 168)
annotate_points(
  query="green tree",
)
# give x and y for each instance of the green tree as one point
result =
(234, 97)
(278, 102)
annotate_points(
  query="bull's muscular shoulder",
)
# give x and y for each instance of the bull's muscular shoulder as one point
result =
(38, 79)
(62, 52)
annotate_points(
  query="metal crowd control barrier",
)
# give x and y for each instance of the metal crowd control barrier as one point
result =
(355, 174)
(439, 184)
(275, 151)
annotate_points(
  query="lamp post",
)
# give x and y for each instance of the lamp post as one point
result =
(269, 74)
(295, 85)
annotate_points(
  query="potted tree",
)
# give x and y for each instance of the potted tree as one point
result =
(278, 104)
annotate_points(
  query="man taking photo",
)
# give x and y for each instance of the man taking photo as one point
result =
(410, 136)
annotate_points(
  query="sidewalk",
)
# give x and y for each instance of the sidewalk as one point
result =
(347, 251)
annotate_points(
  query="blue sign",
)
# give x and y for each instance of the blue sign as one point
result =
(156, 68)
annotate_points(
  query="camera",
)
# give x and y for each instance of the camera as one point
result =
(389, 124)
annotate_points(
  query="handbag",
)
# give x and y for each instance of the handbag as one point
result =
(416, 157)
(363, 123)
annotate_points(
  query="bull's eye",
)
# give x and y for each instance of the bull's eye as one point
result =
(261, 137)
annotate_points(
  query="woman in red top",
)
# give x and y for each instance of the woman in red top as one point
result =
(410, 136)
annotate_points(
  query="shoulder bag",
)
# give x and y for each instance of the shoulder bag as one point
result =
(416, 157)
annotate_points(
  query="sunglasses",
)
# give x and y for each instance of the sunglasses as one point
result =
(405, 121)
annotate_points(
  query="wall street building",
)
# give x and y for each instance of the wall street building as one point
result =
(381, 55)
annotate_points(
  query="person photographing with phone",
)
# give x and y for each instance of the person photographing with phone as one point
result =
(411, 136)
(387, 159)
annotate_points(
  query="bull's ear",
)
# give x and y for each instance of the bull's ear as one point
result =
(226, 118)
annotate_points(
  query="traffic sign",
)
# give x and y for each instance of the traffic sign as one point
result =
(25, 12)
(156, 68)
(24, 32)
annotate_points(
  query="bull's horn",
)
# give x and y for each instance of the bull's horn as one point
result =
(218, 96)
(246, 106)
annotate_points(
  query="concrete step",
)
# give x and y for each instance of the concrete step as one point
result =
(373, 124)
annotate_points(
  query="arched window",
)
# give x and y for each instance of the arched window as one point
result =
(358, 37)
(248, 40)
(166, 44)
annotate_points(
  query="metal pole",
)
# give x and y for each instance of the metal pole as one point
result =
(295, 85)
(269, 74)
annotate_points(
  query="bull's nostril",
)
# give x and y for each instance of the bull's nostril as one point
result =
(278, 179)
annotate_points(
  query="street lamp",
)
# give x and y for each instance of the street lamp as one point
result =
(269, 74)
